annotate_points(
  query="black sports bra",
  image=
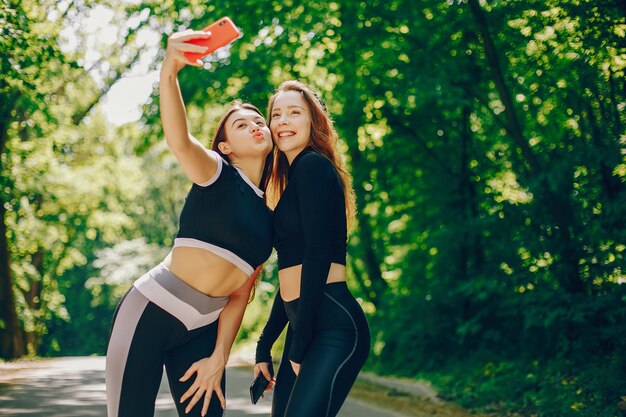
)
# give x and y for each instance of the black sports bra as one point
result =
(227, 216)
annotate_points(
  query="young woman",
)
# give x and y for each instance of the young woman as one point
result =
(328, 339)
(185, 312)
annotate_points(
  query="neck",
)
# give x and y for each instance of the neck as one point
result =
(253, 168)
(293, 154)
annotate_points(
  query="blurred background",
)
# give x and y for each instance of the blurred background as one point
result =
(487, 143)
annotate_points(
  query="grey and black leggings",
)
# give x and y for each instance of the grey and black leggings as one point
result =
(336, 354)
(160, 321)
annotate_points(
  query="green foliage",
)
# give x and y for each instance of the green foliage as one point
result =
(486, 141)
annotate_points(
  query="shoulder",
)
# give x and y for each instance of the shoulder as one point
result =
(223, 172)
(314, 163)
(315, 171)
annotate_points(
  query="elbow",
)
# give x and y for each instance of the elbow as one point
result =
(172, 144)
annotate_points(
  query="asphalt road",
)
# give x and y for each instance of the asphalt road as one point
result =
(74, 387)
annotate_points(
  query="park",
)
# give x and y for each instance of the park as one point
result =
(485, 139)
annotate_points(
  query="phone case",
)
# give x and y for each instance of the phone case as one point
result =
(258, 387)
(223, 32)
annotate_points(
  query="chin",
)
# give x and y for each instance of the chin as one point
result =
(283, 147)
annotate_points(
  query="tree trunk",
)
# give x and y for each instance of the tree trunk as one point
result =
(558, 208)
(351, 118)
(514, 127)
(11, 335)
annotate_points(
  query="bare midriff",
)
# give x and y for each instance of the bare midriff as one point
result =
(289, 279)
(205, 271)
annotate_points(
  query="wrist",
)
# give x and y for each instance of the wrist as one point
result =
(169, 69)
(221, 353)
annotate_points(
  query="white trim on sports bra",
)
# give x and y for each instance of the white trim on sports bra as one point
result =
(221, 252)
(218, 171)
(250, 183)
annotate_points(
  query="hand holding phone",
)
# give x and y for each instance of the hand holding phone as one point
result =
(223, 32)
(258, 387)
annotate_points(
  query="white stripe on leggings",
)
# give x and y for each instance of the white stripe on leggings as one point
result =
(128, 316)
(182, 310)
(356, 341)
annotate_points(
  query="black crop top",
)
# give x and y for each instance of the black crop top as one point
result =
(228, 217)
(310, 229)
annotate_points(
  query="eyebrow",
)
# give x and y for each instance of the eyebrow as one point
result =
(289, 107)
(244, 118)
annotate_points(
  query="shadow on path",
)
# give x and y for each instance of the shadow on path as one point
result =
(74, 387)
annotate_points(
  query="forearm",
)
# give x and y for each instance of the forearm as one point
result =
(173, 114)
(276, 322)
(229, 323)
(313, 280)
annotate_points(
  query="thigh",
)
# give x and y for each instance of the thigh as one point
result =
(358, 341)
(347, 374)
(315, 386)
(285, 378)
(134, 362)
(179, 359)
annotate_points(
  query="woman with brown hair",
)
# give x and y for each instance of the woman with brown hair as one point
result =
(328, 338)
(185, 312)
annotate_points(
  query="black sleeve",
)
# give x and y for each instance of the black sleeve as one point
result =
(273, 328)
(314, 179)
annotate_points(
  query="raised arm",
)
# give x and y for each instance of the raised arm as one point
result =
(197, 161)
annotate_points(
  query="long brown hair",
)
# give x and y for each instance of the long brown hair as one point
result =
(220, 136)
(323, 141)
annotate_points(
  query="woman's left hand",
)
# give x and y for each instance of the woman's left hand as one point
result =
(208, 379)
(295, 367)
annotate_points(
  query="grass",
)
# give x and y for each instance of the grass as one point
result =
(407, 404)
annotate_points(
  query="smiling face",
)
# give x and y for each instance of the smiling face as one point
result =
(247, 135)
(290, 123)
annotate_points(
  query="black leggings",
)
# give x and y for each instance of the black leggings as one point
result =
(337, 352)
(147, 335)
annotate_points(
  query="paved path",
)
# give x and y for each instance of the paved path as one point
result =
(74, 387)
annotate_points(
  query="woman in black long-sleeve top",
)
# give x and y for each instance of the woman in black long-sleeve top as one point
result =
(328, 339)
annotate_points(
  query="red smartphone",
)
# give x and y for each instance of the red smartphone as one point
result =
(223, 32)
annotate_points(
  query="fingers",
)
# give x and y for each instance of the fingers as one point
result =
(195, 399)
(208, 379)
(192, 369)
(189, 34)
(207, 399)
(295, 367)
(266, 372)
(220, 395)
(205, 406)
(189, 47)
(179, 55)
(189, 392)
